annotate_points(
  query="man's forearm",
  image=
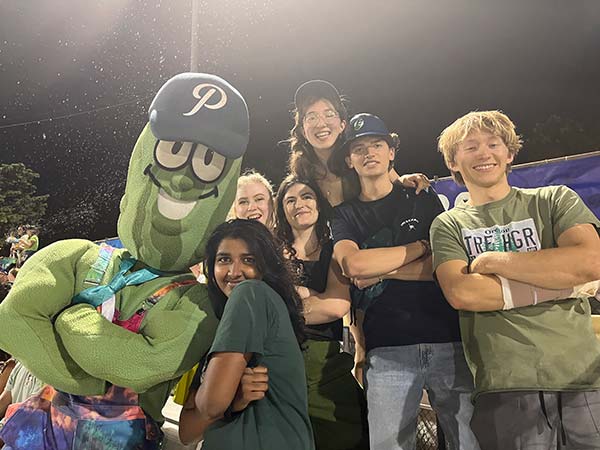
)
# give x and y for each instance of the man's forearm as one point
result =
(476, 293)
(373, 262)
(469, 291)
(483, 292)
(418, 270)
(554, 268)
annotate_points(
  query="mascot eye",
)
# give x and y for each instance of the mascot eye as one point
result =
(207, 164)
(172, 155)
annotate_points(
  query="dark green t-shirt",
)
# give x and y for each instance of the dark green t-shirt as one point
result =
(256, 320)
(550, 346)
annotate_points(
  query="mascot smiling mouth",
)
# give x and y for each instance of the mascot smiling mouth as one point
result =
(170, 207)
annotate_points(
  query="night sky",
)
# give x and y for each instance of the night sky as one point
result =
(92, 67)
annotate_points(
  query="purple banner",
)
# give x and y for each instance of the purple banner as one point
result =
(582, 174)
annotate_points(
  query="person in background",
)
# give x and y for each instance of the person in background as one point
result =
(336, 403)
(14, 240)
(411, 333)
(21, 385)
(510, 260)
(252, 292)
(320, 118)
(28, 244)
(7, 365)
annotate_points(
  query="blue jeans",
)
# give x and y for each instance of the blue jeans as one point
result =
(395, 378)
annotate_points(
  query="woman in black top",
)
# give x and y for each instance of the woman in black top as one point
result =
(336, 402)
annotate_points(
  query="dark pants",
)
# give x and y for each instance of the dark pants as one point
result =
(536, 420)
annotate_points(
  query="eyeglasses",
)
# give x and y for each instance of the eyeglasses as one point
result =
(312, 118)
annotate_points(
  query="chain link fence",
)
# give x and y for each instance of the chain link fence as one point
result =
(429, 434)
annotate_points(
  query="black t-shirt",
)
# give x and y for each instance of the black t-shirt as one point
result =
(406, 312)
(314, 276)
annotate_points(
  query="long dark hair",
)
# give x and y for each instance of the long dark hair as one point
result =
(303, 161)
(284, 231)
(274, 269)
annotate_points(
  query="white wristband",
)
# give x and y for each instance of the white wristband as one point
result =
(506, 293)
(517, 294)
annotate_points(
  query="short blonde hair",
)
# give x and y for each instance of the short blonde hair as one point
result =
(249, 177)
(494, 122)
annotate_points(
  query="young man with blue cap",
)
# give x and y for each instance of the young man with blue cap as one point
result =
(412, 336)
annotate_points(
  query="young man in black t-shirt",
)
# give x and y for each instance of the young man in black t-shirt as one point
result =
(411, 333)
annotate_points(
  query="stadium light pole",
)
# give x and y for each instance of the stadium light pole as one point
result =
(195, 51)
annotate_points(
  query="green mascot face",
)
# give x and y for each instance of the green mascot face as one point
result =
(183, 171)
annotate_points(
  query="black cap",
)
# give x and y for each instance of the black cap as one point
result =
(316, 88)
(201, 108)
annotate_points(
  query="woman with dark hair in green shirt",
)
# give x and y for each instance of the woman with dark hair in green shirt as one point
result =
(252, 292)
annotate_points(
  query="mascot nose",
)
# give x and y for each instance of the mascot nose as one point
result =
(182, 183)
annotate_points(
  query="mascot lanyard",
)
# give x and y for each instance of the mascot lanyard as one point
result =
(97, 295)
(103, 297)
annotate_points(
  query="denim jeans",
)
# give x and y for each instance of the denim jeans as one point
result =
(395, 379)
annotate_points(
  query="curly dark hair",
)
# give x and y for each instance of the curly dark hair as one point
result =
(283, 230)
(303, 161)
(274, 268)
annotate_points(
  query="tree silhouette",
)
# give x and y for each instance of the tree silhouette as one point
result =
(18, 203)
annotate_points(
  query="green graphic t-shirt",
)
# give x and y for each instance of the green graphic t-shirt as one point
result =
(256, 320)
(550, 346)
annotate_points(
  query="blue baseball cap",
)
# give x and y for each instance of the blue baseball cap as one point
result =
(204, 109)
(365, 124)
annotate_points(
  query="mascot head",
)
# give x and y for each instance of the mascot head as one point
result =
(183, 171)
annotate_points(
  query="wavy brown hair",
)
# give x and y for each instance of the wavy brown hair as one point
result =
(284, 231)
(303, 161)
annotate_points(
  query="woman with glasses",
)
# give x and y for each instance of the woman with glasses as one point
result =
(336, 403)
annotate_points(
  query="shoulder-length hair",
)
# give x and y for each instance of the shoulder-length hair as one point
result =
(283, 229)
(270, 263)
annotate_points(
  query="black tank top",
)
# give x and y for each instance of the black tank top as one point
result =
(314, 276)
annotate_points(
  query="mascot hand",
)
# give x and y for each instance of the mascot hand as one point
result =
(170, 342)
(43, 288)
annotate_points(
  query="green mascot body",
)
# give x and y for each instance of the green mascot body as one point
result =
(180, 184)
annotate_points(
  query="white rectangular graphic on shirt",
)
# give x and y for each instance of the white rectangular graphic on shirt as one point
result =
(521, 236)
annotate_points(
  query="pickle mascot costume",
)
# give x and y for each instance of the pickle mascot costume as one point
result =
(111, 330)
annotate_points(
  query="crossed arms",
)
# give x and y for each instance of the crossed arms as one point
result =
(366, 266)
(575, 261)
(227, 381)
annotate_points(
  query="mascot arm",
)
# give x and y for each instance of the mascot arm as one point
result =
(44, 286)
(170, 342)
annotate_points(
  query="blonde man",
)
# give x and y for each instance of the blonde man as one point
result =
(509, 260)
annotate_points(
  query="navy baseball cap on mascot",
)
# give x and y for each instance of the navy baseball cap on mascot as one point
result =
(185, 166)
